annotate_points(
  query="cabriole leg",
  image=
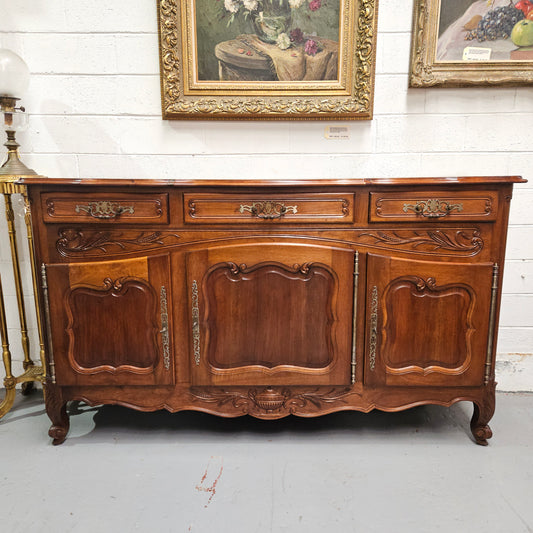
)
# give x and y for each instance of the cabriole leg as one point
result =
(483, 411)
(56, 408)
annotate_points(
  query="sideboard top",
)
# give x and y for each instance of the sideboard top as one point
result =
(403, 182)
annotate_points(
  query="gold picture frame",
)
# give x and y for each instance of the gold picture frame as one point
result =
(308, 77)
(446, 52)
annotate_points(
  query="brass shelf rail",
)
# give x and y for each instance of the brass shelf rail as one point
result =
(32, 372)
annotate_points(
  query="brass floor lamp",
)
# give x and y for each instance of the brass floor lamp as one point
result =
(14, 77)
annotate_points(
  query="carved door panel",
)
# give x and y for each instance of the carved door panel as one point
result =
(109, 322)
(427, 322)
(271, 314)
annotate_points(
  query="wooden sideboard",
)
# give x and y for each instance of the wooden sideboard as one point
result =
(271, 298)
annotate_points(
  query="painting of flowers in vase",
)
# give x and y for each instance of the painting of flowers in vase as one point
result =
(267, 40)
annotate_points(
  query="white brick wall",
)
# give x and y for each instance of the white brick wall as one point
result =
(95, 112)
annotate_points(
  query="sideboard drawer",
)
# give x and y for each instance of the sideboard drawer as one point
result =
(408, 206)
(205, 208)
(129, 208)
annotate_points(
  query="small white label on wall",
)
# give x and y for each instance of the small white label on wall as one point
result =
(475, 53)
(337, 132)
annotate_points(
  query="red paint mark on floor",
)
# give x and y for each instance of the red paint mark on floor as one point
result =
(210, 485)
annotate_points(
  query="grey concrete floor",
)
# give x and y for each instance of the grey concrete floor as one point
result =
(122, 470)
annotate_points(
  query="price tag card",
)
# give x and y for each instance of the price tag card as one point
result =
(337, 132)
(475, 53)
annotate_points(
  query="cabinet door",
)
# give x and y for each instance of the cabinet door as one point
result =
(110, 322)
(271, 314)
(427, 322)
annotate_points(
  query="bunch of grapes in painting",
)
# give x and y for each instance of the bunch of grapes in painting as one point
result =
(497, 23)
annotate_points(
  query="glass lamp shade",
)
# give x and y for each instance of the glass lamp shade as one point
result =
(14, 74)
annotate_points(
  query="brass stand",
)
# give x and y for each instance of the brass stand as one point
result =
(11, 171)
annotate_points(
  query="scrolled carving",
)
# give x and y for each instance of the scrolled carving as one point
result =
(73, 241)
(271, 401)
(302, 269)
(50, 207)
(345, 206)
(114, 285)
(243, 268)
(462, 241)
(421, 285)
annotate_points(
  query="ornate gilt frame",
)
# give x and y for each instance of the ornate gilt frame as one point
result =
(426, 71)
(347, 98)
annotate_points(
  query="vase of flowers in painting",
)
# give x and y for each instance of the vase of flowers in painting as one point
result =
(272, 20)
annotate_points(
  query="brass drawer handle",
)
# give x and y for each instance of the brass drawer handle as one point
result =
(433, 208)
(105, 209)
(268, 209)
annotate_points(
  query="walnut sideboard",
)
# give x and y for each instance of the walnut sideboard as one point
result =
(271, 298)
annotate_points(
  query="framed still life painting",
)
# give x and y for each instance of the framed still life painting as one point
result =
(472, 42)
(267, 59)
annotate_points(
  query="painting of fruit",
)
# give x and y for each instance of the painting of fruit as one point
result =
(522, 34)
(499, 28)
(462, 43)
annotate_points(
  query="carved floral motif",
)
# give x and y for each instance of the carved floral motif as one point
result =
(73, 241)
(468, 242)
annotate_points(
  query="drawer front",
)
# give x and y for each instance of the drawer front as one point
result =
(254, 209)
(433, 205)
(97, 208)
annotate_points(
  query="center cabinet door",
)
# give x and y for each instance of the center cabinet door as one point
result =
(271, 314)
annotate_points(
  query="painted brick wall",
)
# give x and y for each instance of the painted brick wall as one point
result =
(94, 102)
